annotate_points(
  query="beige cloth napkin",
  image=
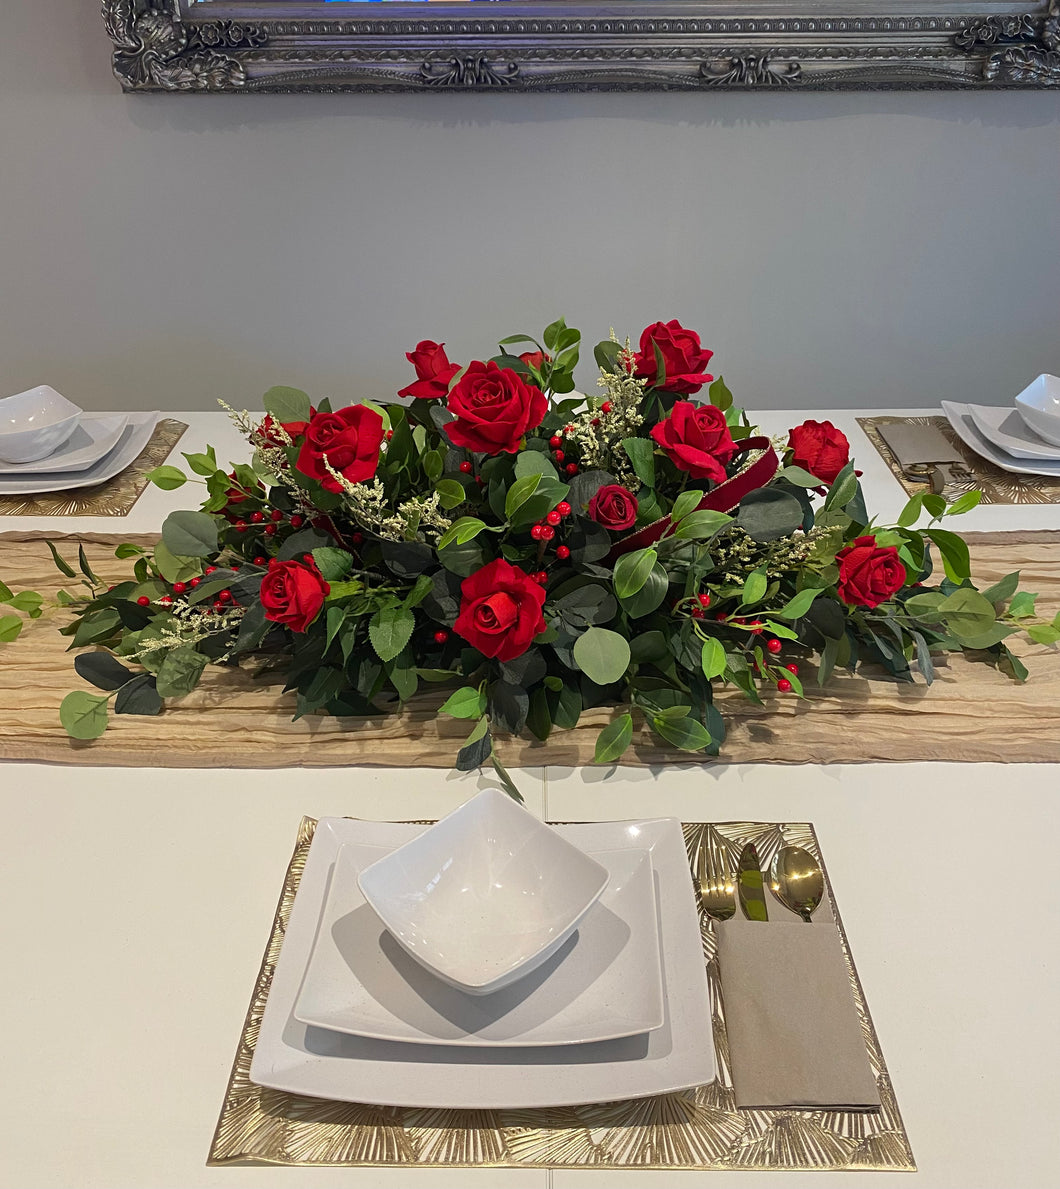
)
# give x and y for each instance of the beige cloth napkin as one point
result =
(794, 1034)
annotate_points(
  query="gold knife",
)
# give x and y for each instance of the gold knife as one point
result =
(751, 885)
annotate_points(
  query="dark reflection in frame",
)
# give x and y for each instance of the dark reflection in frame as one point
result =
(581, 45)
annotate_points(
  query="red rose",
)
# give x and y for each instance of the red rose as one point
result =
(266, 431)
(433, 371)
(535, 359)
(500, 610)
(292, 592)
(683, 358)
(869, 573)
(350, 438)
(494, 408)
(614, 507)
(820, 448)
(696, 439)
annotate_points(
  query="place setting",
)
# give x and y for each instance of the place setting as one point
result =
(50, 447)
(555, 995)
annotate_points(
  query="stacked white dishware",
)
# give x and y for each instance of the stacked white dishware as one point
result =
(1023, 438)
(489, 962)
(48, 444)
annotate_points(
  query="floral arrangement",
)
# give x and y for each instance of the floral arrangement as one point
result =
(539, 550)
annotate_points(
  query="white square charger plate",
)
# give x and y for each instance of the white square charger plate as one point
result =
(604, 982)
(93, 437)
(960, 418)
(303, 1059)
(1005, 428)
(134, 437)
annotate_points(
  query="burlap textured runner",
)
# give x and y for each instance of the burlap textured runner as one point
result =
(970, 713)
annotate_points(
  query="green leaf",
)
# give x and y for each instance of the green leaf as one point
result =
(173, 567)
(650, 595)
(954, 551)
(64, 567)
(1022, 605)
(602, 655)
(190, 534)
(287, 404)
(102, 669)
(614, 739)
(799, 477)
(5, 592)
(1003, 589)
(798, 605)
(1010, 663)
(477, 748)
(964, 503)
(1043, 633)
(641, 454)
(720, 396)
(714, 659)
(686, 502)
(466, 702)
(97, 625)
(702, 525)
(966, 613)
(462, 560)
(533, 462)
(126, 550)
(390, 629)
(450, 493)
(632, 570)
(138, 696)
(754, 588)
(84, 715)
(461, 531)
(167, 478)
(843, 489)
(10, 628)
(519, 492)
(910, 514)
(27, 601)
(202, 464)
(179, 672)
(86, 569)
(686, 733)
(333, 564)
(648, 648)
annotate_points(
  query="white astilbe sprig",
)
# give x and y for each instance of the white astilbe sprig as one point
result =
(598, 435)
(368, 505)
(187, 626)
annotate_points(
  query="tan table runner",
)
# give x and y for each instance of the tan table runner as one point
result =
(971, 713)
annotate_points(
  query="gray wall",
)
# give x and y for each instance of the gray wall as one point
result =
(834, 250)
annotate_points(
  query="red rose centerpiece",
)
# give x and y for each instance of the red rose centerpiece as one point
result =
(500, 610)
(820, 448)
(614, 507)
(292, 593)
(433, 371)
(684, 359)
(350, 439)
(494, 408)
(869, 574)
(696, 439)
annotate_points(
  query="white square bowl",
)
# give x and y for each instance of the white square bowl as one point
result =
(1039, 406)
(35, 423)
(486, 895)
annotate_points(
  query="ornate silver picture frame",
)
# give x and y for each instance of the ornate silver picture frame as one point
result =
(581, 45)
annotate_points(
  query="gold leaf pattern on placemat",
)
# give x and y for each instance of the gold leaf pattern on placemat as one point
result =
(997, 486)
(115, 497)
(696, 1129)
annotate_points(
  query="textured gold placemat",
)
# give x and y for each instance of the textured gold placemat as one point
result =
(971, 713)
(693, 1129)
(115, 497)
(997, 486)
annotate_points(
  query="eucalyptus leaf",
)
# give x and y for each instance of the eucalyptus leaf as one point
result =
(138, 696)
(287, 404)
(102, 669)
(768, 514)
(602, 655)
(190, 534)
(179, 672)
(84, 715)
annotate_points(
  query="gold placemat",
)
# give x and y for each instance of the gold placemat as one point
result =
(693, 1129)
(997, 486)
(114, 497)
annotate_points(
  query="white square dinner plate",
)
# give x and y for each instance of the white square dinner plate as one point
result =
(93, 437)
(959, 416)
(304, 1059)
(134, 437)
(604, 982)
(1006, 429)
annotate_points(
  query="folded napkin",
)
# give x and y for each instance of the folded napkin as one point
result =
(794, 1034)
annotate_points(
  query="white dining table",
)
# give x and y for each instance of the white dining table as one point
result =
(136, 904)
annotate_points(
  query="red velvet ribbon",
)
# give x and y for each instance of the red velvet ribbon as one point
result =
(722, 498)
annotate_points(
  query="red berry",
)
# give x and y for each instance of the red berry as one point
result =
(773, 646)
(144, 601)
(270, 530)
(792, 668)
(568, 429)
(605, 407)
(165, 601)
(704, 600)
(178, 588)
(756, 626)
(307, 558)
(277, 515)
(721, 617)
(540, 577)
(357, 538)
(209, 569)
(559, 456)
(571, 468)
(563, 508)
(260, 561)
(218, 605)
(241, 526)
(547, 532)
(553, 517)
(389, 434)
(784, 685)
(466, 468)
(480, 481)
(440, 637)
(555, 441)
(537, 531)
(297, 521)
(225, 596)
(698, 613)
(562, 552)
(257, 517)
(194, 583)
(595, 422)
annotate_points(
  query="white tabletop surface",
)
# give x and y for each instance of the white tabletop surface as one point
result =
(137, 903)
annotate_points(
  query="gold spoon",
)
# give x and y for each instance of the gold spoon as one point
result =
(796, 880)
